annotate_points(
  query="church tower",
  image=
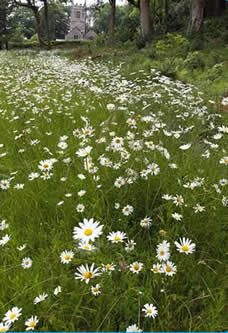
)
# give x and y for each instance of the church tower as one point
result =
(77, 23)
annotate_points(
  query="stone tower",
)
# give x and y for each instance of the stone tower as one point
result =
(77, 23)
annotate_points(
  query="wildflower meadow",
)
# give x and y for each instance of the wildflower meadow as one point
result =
(113, 196)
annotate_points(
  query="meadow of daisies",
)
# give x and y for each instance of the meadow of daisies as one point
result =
(113, 196)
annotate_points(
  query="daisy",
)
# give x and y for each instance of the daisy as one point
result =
(163, 251)
(177, 217)
(21, 247)
(57, 290)
(185, 246)
(12, 315)
(169, 268)
(45, 165)
(150, 310)
(3, 225)
(127, 210)
(88, 230)
(130, 245)
(26, 263)
(120, 181)
(96, 290)
(40, 298)
(85, 273)
(80, 208)
(136, 267)
(178, 200)
(133, 328)
(153, 169)
(156, 268)
(198, 208)
(66, 257)
(116, 237)
(31, 323)
(83, 245)
(5, 239)
(84, 152)
(224, 160)
(81, 193)
(146, 222)
(4, 327)
(185, 147)
(108, 268)
(62, 145)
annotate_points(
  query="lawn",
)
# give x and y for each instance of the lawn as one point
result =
(114, 198)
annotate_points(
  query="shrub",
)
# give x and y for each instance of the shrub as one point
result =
(175, 45)
(194, 60)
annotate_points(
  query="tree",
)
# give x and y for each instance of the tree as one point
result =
(145, 17)
(5, 26)
(34, 6)
(113, 17)
(197, 14)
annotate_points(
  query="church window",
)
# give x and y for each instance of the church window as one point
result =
(78, 14)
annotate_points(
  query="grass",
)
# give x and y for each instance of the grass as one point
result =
(46, 99)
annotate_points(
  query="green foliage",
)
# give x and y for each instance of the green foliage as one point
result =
(194, 60)
(174, 45)
(215, 72)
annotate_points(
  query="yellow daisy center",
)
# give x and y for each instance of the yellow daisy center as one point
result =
(95, 289)
(67, 256)
(185, 248)
(155, 270)
(136, 267)
(149, 310)
(88, 232)
(13, 315)
(86, 247)
(45, 165)
(116, 238)
(108, 266)
(32, 324)
(162, 253)
(26, 262)
(2, 330)
(226, 160)
(87, 275)
(168, 269)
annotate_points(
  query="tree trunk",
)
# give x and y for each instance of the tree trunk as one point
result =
(145, 20)
(38, 24)
(46, 16)
(113, 17)
(197, 14)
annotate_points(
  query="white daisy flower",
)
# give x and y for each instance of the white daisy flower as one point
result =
(31, 323)
(198, 208)
(133, 328)
(136, 267)
(150, 310)
(185, 245)
(4, 327)
(163, 253)
(40, 298)
(224, 160)
(146, 222)
(83, 245)
(157, 268)
(12, 315)
(108, 268)
(88, 230)
(185, 147)
(96, 290)
(130, 245)
(85, 273)
(66, 256)
(127, 210)
(57, 290)
(177, 217)
(169, 268)
(26, 263)
(117, 237)
(153, 169)
(5, 239)
(80, 208)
